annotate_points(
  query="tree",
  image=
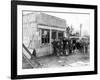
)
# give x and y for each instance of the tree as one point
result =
(69, 31)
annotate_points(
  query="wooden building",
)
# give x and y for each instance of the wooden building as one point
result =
(39, 29)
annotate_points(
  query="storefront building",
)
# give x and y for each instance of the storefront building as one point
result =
(39, 30)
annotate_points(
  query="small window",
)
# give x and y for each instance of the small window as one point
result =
(54, 34)
(60, 35)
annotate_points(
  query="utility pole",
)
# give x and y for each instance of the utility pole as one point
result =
(80, 30)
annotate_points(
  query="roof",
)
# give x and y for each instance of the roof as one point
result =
(49, 20)
(44, 19)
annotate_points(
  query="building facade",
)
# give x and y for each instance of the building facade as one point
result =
(39, 29)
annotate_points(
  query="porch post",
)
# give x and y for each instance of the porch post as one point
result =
(50, 40)
(57, 35)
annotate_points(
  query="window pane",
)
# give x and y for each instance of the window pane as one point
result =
(60, 35)
(45, 36)
(54, 36)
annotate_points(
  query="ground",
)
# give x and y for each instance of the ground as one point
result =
(71, 60)
(75, 59)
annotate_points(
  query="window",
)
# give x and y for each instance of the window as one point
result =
(54, 34)
(45, 36)
(60, 35)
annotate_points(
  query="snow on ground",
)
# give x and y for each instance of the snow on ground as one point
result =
(72, 60)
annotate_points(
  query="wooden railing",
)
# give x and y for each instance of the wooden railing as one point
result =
(33, 57)
(29, 62)
(27, 50)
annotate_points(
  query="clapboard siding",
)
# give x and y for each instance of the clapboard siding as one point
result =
(28, 33)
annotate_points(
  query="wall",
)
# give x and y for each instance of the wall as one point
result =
(31, 34)
(5, 41)
(29, 29)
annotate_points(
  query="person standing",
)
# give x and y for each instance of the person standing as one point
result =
(64, 46)
(54, 47)
(58, 47)
(61, 46)
(70, 46)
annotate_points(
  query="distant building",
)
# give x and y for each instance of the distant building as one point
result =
(39, 29)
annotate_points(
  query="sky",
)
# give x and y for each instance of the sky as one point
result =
(74, 20)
